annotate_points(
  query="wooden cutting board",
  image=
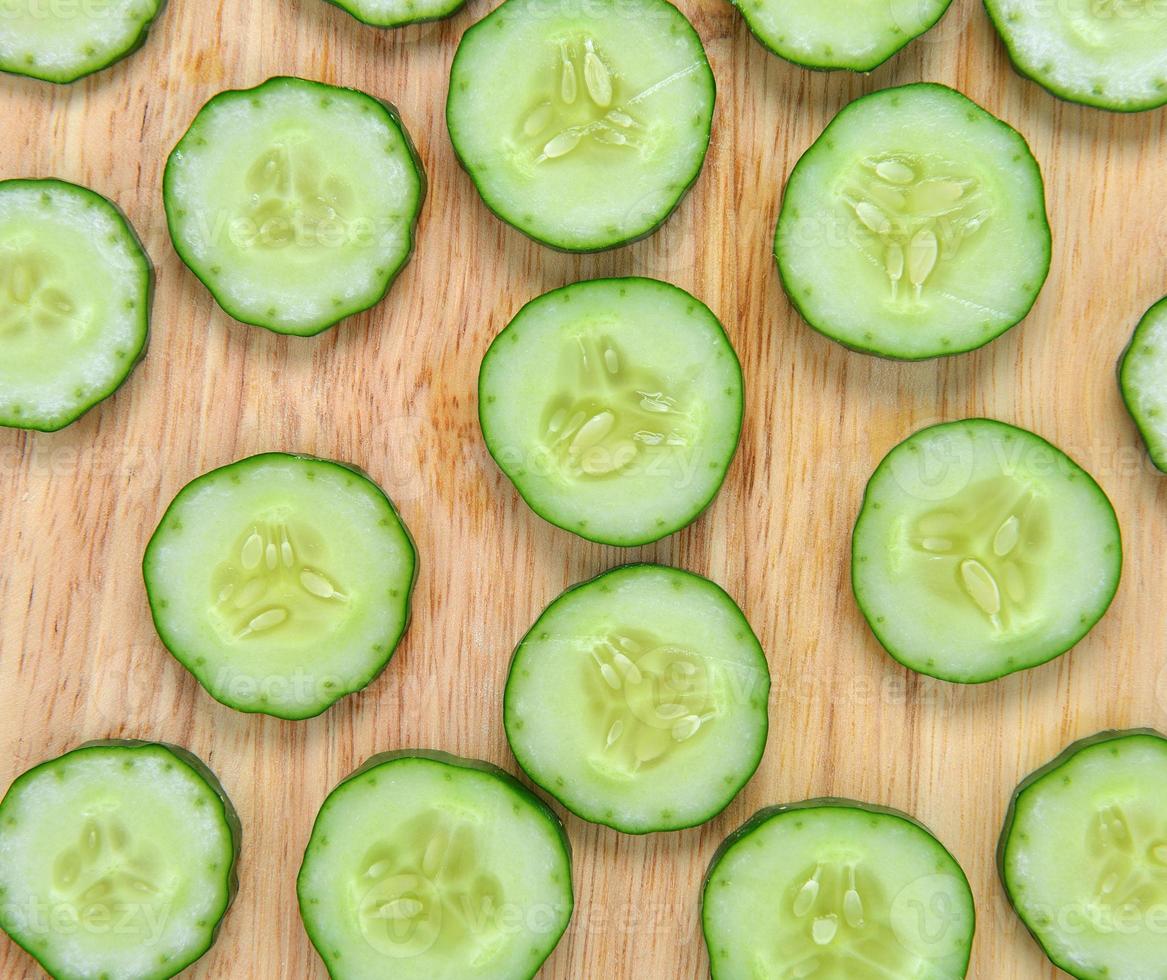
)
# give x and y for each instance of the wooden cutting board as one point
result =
(394, 390)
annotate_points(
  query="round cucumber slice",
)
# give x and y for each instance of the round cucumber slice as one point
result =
(832, 34)
(639, 700)
(281, 582)
(117, 860)
(1110, 54)
(915, 226)
(582, 125)
(423, 866)
(1142, 377)
(75, 292)
(398, 13)
(836, 890)
(63, 41)
(1083, 857)
(614, 406)
(981, 550)
(294, 202)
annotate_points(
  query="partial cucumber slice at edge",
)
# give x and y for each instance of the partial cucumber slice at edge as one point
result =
(1141, 355)
(365, 12)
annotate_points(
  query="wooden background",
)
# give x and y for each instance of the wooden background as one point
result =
(394, 390)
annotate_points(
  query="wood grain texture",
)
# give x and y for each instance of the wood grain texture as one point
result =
(394, 390)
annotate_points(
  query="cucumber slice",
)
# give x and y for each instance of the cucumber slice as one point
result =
(75, 292)
(398, 13)
(831, 34)
(981, 550)
(62, 41)
(1083, 857)
(614, 406)
(915, 226)
(582, 125)
(639, 700)
(281, 582)
(1111, 54)
(836, 890)
(1142, 377)
(117, 860)
(423, 866)
(294, 202)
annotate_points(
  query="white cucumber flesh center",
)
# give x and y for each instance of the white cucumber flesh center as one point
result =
(292, 197)
(278, 579)
(38, 308)
(423, 882)
(104, 873)
(912, 215)
(583, 107)
(838, 922)
(984, 550)
(606, 411)
(645, 698)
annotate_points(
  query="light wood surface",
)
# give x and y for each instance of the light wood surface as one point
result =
(394, 390)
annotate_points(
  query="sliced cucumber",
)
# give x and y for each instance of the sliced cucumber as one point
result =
(75, 291)
(836, 890)
(981, 550)
(63, 40)
(1143, 378)
(614, 406)
(294, 202)
(281, 582)
(830, 34)
(639, 700)
(1083, 857)
(399, 13)
(423, 866)
(117, 860)
(582, 125)
(915, 226)
(1111, 54)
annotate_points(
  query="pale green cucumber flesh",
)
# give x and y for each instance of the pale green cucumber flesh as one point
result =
(981, 550)
(117, 861)
(1083, 857)
(639, 700)
(1110, 54)
(582, 125)
(614, 406)
(399, 13)
(424, 866)
(839, 34)
(1143, 380)
(61, 42)
(836, 890)
(281, 582)
(75, 292)
(294, 202)
(915, 226)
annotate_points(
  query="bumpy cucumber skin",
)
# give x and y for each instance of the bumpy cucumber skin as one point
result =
(789, 288)
(986, 678)
(1128, 398)
(496, 348)
(768, 813)
(452, 7)
(456, 762)
(560, 246)
(230, 818)
(174, 648)
(859, 67)
(133, 46)
(394, 117)
(1086, 100)
(732, 791)
(1065, 756)
(49, 184)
